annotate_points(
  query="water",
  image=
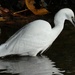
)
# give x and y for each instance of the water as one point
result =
(29, 66)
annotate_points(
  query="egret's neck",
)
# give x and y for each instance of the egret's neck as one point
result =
(59, 24)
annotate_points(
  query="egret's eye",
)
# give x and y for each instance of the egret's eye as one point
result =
(72, 17)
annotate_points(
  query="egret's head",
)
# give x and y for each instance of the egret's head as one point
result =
(65, 14)
(70, 16)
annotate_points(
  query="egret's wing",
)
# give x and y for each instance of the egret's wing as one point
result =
(14, 36)
(31, 37)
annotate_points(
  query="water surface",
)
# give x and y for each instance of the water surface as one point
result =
(29, 66)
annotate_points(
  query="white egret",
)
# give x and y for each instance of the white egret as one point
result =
(36, 36)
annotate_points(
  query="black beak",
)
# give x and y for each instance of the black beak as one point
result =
(73, 21)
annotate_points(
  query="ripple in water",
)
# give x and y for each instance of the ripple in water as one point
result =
(29, 66)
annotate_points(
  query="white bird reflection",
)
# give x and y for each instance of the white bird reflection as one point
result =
(29, 66)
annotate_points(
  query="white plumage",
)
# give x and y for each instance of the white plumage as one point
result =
(36, 36)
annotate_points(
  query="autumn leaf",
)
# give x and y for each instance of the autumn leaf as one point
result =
(31, 7)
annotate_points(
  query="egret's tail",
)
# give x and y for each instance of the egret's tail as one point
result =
(2, 50)
(2, 46)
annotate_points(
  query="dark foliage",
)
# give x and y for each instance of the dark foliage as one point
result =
(11, 4)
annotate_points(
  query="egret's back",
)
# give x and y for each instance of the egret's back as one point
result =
(30, 39)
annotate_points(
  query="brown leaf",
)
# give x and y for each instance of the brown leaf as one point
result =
(31, 7)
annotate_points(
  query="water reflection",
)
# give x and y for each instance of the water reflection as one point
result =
(29, 66)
